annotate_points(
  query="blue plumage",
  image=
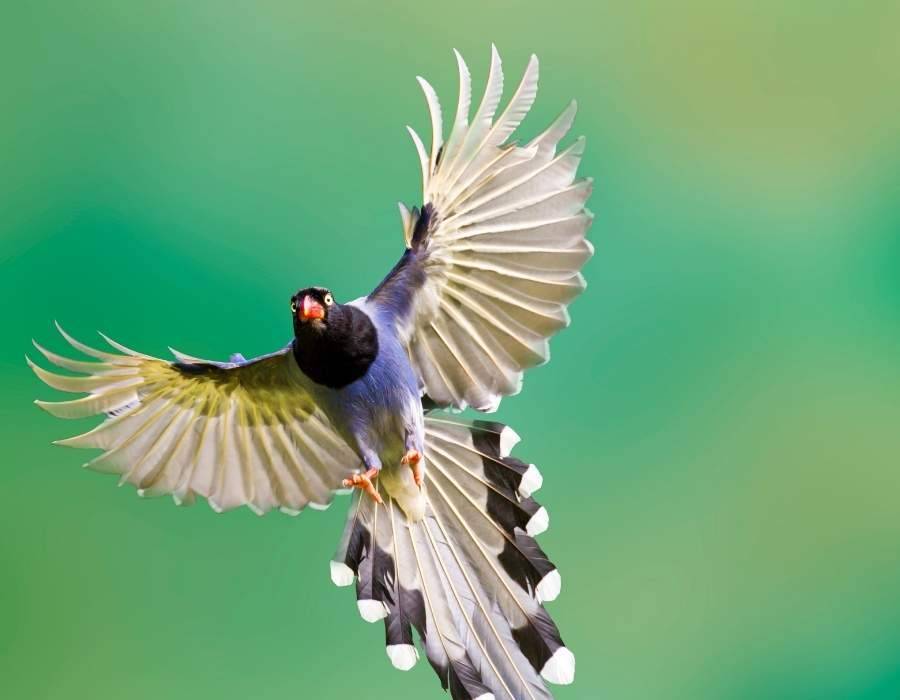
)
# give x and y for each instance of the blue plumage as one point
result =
(381, 411)
(366, 383)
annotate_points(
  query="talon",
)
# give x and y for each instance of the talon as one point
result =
(364, 482)
(413, 458)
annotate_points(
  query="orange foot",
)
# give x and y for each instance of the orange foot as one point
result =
(413, 458)
(364, 481)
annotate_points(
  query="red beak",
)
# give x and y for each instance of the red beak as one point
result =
(311, 309)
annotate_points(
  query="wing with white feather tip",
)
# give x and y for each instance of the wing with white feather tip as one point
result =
(494, 256)
(246, 433)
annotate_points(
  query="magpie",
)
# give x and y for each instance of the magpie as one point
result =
(440, 533)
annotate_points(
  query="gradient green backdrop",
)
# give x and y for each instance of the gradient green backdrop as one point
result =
(717, 429)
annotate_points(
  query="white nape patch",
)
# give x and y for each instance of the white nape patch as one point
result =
(402, 656)
(531, 481)
(509, 438)
(538, 523)
(289, 511)
(371, 610)
(341, 574)
(560, 668)
(548, 588)
(319, 506)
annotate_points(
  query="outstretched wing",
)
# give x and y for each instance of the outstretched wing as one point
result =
(494, 256)
(248, 433)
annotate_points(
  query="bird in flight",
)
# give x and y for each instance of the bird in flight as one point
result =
(440, 533)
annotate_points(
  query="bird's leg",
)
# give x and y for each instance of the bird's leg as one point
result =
(364, 481)
(413, 459)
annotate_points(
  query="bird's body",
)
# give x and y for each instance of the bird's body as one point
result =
(440, 535)
(379, 413)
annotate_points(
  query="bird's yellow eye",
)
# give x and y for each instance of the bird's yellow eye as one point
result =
(328, 300)
(293, 306)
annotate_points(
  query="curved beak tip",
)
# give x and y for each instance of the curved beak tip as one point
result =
(310, 309)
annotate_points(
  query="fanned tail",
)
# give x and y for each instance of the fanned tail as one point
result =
(469, 577)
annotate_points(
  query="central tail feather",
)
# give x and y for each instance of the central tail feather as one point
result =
(469, 576)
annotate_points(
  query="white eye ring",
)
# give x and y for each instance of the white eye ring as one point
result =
(293, 307)
(328, 300)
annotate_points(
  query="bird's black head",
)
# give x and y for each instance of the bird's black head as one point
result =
(334, 344)
(311, 309)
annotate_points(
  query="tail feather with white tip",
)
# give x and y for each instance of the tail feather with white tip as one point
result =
(469, 576)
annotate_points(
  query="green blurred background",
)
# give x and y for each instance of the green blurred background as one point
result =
(717, 429)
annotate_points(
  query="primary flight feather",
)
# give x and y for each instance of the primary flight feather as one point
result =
(440, 535)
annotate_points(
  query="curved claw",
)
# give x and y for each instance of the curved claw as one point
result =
(413, 459)
(364, 481)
